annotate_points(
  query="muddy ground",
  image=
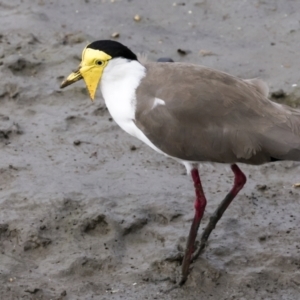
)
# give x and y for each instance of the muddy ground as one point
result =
(88, 212)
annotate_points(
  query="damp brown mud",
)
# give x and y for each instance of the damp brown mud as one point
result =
(88, 212)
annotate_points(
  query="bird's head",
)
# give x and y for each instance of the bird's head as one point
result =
(95, 57)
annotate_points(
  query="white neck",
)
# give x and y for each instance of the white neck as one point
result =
(118, 84)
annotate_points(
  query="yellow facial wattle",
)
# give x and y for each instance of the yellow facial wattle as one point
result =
(90, 69)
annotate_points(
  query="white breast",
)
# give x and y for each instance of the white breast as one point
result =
(118, 85)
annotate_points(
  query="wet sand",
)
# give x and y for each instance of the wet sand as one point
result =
(88, 212)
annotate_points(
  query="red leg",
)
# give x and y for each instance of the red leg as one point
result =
(200, 204)
(239, 181)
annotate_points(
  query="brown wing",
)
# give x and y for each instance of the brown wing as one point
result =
(213, 116)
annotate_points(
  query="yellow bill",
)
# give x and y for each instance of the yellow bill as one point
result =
(90, 69)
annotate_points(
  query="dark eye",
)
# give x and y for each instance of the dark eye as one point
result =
(99, 62)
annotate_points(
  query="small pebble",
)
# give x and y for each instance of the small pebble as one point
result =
(115, 35)
(278, 94)
(165, 59)
(262, 238)
(183, 52)
(204, 52)
(261, 187)
(137, 18)
(77, 142)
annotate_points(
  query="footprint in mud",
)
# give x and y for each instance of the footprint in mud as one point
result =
(95, 225)
(159, 218)
(35, 242)
(9, 174)
(3, 229)
(74, 121)
(20, 65)
(100, 111)
(137, 223)
(74, 38)
(134, 225)
(86, 266)
(8, 129)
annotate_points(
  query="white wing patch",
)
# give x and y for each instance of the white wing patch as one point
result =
(158, 101)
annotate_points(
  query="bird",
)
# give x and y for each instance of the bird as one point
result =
(192, 114)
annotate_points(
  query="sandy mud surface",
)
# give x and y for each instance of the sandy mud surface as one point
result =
(88, 212)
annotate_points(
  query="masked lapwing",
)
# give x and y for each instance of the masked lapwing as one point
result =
(192, 114)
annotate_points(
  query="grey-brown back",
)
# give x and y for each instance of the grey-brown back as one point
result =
(212, 116)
